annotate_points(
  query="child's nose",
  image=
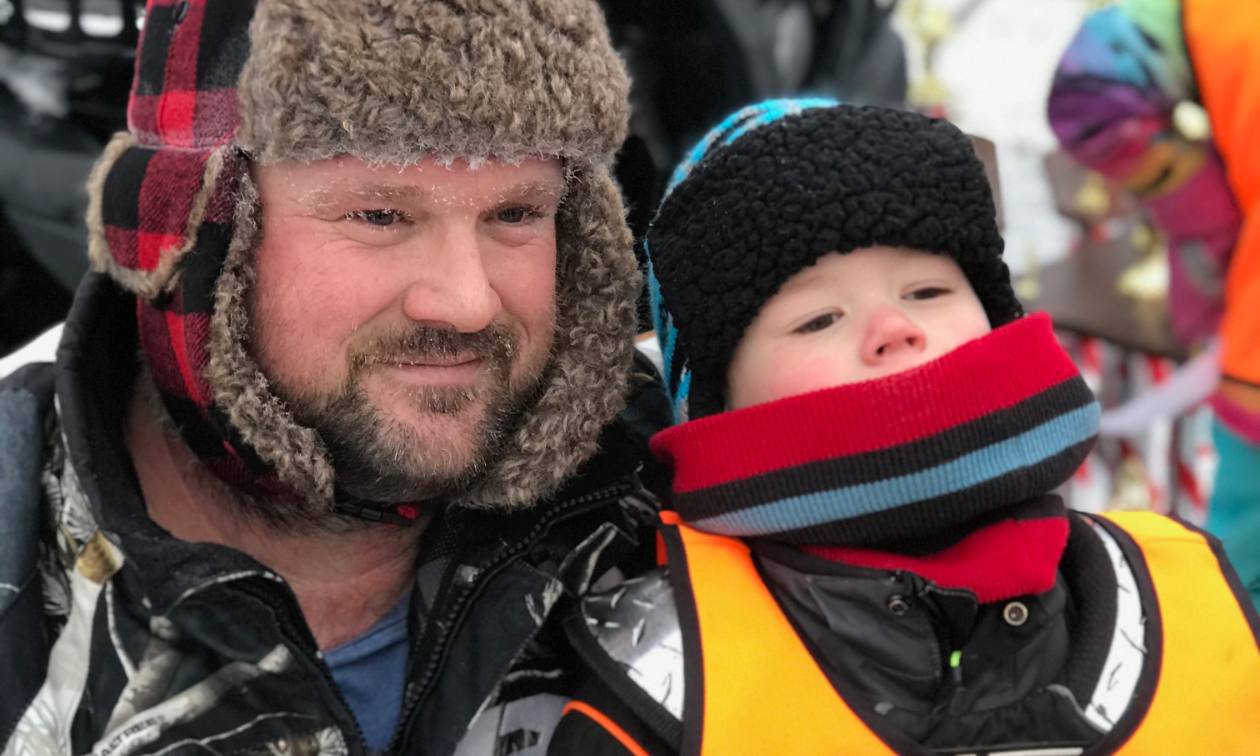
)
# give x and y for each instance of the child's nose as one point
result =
(890, 334)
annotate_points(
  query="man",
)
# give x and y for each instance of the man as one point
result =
(333, 426)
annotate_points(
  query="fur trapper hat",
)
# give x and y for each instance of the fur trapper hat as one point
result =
(174, 217)
(780, 184)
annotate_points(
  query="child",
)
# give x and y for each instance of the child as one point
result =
(864, 554)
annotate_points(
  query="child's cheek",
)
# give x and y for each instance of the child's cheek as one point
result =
(791, 373)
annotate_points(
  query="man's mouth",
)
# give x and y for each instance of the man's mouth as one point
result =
(456, 370)
(454, 361)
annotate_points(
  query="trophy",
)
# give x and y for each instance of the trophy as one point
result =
(929, 24)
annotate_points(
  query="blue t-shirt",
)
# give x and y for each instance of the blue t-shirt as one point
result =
(371, 671)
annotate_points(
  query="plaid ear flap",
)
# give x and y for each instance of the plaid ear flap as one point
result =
(174, 329)
(175, 326)
(161, 215)
(146, 208)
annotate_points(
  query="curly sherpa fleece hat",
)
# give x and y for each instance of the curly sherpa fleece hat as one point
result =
(174, 217)
(780, 184)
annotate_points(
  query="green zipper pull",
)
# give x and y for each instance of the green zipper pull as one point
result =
(955, 664)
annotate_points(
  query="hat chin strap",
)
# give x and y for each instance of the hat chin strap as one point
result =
(402, 515)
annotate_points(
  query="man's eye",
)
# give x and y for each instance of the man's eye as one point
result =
(514, 215)
(819, 323)
(928, 292)
(381, 218)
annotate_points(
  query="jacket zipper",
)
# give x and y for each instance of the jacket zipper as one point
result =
(415, 696)
(313, 652)
(291, 633)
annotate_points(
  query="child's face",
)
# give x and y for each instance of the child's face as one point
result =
(853, 317)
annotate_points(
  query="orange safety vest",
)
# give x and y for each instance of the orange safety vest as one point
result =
(757, 690)
(1223, 39)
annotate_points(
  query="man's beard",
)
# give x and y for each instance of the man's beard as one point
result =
(381, 458)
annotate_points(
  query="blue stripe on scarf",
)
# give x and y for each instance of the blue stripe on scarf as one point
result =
(1025, 450)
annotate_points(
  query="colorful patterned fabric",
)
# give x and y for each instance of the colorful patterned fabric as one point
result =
(998, 421)
(1112, 106)
(1125, 71)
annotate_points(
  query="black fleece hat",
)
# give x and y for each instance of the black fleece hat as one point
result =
(753, 211)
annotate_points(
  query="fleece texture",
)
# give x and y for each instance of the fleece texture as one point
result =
(781, 184)
(391, 82)
(224, 84)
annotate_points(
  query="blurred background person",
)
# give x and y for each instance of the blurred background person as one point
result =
(1123, 103)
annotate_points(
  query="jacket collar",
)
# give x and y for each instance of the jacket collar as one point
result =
(97, 365)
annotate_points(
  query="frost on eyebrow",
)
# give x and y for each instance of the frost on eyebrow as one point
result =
(324, 199)
(385, 195)
(546, 189)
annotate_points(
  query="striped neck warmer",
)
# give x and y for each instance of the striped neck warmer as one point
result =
(947, 447)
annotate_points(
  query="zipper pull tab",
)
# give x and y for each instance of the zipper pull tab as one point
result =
(955, 666)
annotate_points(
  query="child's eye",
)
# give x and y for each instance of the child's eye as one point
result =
(379, 218)
(819, 323)
(516, 215)
(928, 292)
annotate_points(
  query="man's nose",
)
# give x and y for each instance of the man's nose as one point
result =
(449, 285)
(889, 334)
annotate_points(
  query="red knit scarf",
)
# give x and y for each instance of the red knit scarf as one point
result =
(942, 470)
(1011, 557)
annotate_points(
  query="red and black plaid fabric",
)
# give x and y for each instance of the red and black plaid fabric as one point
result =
(183, 111)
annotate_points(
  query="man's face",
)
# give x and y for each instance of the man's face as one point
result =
(854, 317)
(406, 313)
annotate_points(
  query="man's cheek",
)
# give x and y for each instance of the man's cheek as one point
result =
(294, 345)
